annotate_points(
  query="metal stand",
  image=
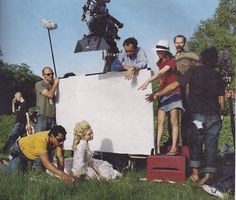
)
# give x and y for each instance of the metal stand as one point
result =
(108, 60)
(50, 41)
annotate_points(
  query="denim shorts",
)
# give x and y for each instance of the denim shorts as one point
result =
(170, 101)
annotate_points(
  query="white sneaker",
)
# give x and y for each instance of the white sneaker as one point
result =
(10, 157)
(213, 191)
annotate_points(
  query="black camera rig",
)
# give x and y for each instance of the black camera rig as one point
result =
(103, 28)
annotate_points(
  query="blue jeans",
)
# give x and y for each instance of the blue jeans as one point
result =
(18, 163)
(38, 165)
(17, 131)
(208, 136)
(44, 123)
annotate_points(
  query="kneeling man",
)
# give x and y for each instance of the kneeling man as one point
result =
(40, 146)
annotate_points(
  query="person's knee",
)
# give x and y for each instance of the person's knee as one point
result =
(211, 139)
(174, 117)
(160, 122)
(174, 122)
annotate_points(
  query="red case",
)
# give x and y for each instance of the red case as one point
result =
(166, 168)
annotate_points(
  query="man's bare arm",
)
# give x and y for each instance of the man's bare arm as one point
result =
(50, 93)
(154, 77)
(151, 97)
(60, 159)
(13, 106)
(168, 89)
(221, 101)
(48, 165)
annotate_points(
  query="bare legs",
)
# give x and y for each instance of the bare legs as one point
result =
(195, 174)
(174, 124)
(160, 127)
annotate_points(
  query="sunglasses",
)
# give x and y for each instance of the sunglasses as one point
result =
(49, 74)
(61, 139)
(129, 51)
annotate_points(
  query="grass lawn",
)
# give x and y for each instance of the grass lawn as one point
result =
(43, 187)
(33, 186)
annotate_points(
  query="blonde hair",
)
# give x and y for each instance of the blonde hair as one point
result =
(80, 131)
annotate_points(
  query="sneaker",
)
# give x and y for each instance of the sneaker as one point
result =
(213, 191)
(173, 153)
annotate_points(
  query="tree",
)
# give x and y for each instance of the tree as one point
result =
(218, 31)
(15, 78)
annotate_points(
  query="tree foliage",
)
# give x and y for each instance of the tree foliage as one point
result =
(15, 78)
(218, 31)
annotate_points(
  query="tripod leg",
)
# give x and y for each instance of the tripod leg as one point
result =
(109, 58)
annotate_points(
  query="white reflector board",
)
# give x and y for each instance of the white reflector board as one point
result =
(121, 119)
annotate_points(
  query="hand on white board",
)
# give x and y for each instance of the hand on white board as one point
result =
(130, 73)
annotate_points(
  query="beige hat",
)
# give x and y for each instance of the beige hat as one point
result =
(162, 45)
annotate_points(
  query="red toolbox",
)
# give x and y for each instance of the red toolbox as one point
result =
(166, 168)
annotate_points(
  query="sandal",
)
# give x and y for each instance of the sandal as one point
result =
(3, 161)
(194, 179)
(201, 182)
(174, 153)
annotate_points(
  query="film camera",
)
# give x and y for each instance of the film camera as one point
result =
(103, 28)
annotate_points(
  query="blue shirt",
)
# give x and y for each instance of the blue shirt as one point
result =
(138, 60)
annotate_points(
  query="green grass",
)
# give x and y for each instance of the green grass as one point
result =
(43, 187)
(6, 124)
(33, 186)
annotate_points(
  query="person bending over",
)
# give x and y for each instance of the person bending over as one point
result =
(39, 146)
(131, 59)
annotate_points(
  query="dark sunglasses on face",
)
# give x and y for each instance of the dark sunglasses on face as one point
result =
(49, 74)
(61, 139)
(129, 51)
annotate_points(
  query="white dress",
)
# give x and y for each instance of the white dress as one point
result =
(83, 160)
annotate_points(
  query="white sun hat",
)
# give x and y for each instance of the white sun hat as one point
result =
(162, 45)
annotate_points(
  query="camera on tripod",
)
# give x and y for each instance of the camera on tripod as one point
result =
(103, 28)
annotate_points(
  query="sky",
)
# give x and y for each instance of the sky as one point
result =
(24, 40)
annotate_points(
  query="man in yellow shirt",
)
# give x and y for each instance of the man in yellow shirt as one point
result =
(39, 146)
